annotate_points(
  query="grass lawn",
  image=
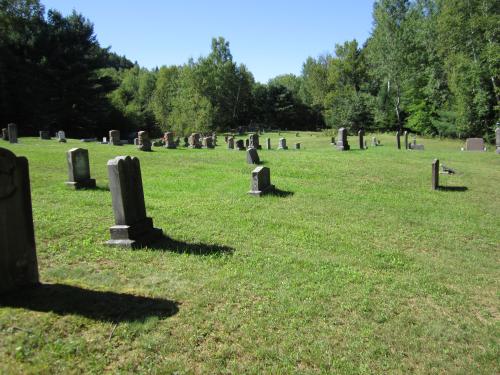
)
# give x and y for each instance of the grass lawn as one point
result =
(361, 269)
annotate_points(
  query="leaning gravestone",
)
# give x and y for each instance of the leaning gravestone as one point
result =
(361, 135)
(114, 138)
(435, 174)
(240, 145)
(144, 141)
(44, 134)
(5, 134)
(474, 144)
(282, 144)
(497, 143)
(230, 143)
(18, 263)
(12, 130)
(132, 227)
(342, 143)
(398, 140)
(252, 156)
(79, 169)
(261, 182)
(169, 140)
(254, 141)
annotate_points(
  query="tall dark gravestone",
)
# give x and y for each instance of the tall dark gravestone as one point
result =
(342, 143)
(132, 227)
(398, 140)
(361, 135)
(114, 138)
(435, 174)
(268, 143)
(12, 130)
(79, 169)
(18, 263)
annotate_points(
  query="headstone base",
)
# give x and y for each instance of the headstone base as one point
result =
(87, 184)
(259, 193)
(134, 236)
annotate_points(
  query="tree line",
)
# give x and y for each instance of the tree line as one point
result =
(429, 66)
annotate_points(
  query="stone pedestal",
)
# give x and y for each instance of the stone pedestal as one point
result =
(12, 130)
(435, 174)
(18, 262)
(342, 144)
(132, 227)
(79, 169)
(114, 138)
(261, 182)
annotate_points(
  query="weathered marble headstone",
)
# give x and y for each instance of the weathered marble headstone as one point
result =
(114, 138)
(18, 262)
(261, 182)
(435, 174)
(195, 140)
(361, 135)
(169, 140)
(252, 156)
(79, 169)
(297, 146)
(282, 144)
(398, 140)
(497, 137)
(207, 142)
(268, 143)
(342, 143)
(5, 134)
(230, 143)
(132, 227)
(254, 141)
(474, 144)
(61, 136)
(44, 134)
(144, 141)
(240, 145)
(406, 140)
(12, 130)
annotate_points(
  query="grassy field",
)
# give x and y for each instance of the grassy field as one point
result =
(359, 268)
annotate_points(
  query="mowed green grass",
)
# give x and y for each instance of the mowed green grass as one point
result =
(363, 269)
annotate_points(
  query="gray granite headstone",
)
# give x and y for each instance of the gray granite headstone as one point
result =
(261, 182)
(132, 227)
(474, 144)
(497, 137)
(435, 174)
(114, 138)
(268, 143)
(12, 130)
(252, 156)
(18, 262)
(44, 134)
(398, 140)
(342, 143)
(406, 139)
(79, 169)
(282, 144)
(240, 145)
(361, 135)
(144, 141)
(169, 140)
(230, 143)
(254, 141)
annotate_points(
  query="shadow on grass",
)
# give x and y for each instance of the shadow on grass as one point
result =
(169, 244)
(453, 188)
(103, 306)
(280, 193)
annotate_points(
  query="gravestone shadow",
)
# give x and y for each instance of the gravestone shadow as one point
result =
(97, 305)
(280, 193)
(453, 188)
(180, 247)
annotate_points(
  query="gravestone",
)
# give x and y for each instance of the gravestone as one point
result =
(261, 182)
(132, 227)
(374, 142)
(186, 142)
(79, 169)
(398, 140)
(497, 143)
(406, 140)
(169, 140)
(254, 141)
(208, 142)
(18, 262)
(136, 141)
(282, 144)
(361, 135)
(435, 174)
(474, 144)
(5, 134)
(230, 143)
(12, 130)
(44, 134)
(104, 141)
(61, 136)
(240, 145)
(114, 138)
(247, 143)
(226, 137)
(268, 143)
(342, 143)
(214, 139)
(194, 140)
(144, 141)
(297, 146)
(333, 143)
(415, 146)
(252, 156)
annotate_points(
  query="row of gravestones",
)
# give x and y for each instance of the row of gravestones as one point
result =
(253, 142)
(133, 228)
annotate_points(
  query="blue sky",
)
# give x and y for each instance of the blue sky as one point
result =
(269, 37)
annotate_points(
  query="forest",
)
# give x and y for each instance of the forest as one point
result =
(429, 66)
